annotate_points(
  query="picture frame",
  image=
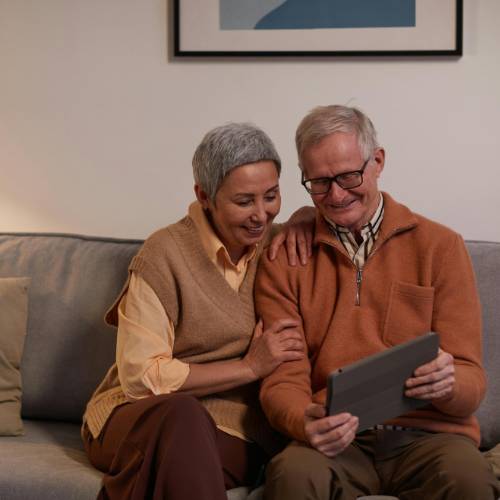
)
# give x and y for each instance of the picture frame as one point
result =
(216, 28)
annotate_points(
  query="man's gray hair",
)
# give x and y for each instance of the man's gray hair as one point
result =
(227, 147)
(326, 120)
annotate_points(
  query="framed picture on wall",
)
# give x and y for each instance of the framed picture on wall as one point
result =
(234, 28)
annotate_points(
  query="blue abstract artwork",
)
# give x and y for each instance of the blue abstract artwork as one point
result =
(316, 14)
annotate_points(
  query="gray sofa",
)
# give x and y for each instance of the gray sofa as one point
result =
(68, 349)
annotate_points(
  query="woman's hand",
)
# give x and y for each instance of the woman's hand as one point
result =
(297, 234)
(268, 349)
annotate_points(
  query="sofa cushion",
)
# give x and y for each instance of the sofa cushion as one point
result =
(13, 320)
(486, 261)
(48, 462)
(68, 347)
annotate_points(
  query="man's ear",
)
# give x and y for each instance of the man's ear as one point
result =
(201, 196)
(379, 158)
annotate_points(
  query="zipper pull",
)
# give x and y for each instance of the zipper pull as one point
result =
(359, 278)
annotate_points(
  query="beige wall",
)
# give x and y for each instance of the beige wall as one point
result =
(98, 125)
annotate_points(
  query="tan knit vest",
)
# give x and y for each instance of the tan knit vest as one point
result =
(211, 320)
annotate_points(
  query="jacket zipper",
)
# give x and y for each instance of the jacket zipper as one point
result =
(359, 279)
(359, 272)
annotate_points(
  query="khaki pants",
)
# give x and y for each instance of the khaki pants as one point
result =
(411, 465)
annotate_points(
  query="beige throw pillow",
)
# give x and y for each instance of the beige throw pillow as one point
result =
(13, 320)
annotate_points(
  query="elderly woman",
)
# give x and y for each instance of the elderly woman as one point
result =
(177, 415)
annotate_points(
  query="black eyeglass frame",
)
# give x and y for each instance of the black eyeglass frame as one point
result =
(336, 179)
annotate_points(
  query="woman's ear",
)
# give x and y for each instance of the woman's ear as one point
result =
(201, 196)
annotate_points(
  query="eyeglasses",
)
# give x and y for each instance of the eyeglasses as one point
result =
(346, 180)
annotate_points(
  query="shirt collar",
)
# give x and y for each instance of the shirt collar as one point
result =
(212, 244)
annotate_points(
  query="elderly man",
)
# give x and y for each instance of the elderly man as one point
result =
(379, 275)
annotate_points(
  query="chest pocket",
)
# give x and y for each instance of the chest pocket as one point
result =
(409, 312)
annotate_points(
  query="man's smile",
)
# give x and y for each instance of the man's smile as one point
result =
(343, 206)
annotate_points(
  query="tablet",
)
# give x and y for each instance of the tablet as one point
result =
(373, 388)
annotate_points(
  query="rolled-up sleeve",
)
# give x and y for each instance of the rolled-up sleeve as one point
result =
(144, 351)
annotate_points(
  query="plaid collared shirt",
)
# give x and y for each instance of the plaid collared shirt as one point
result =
(359, 252)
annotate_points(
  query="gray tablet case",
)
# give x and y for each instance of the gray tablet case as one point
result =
(373, 388)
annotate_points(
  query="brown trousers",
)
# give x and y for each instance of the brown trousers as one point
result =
(169, 447)
(409, 465)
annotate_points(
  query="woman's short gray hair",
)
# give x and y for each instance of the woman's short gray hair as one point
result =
(227, 147)
(326, 120)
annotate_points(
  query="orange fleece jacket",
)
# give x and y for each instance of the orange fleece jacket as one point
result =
(417, 278)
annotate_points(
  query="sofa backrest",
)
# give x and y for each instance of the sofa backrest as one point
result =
(486, 262)
(75, 279)
(68, 347)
